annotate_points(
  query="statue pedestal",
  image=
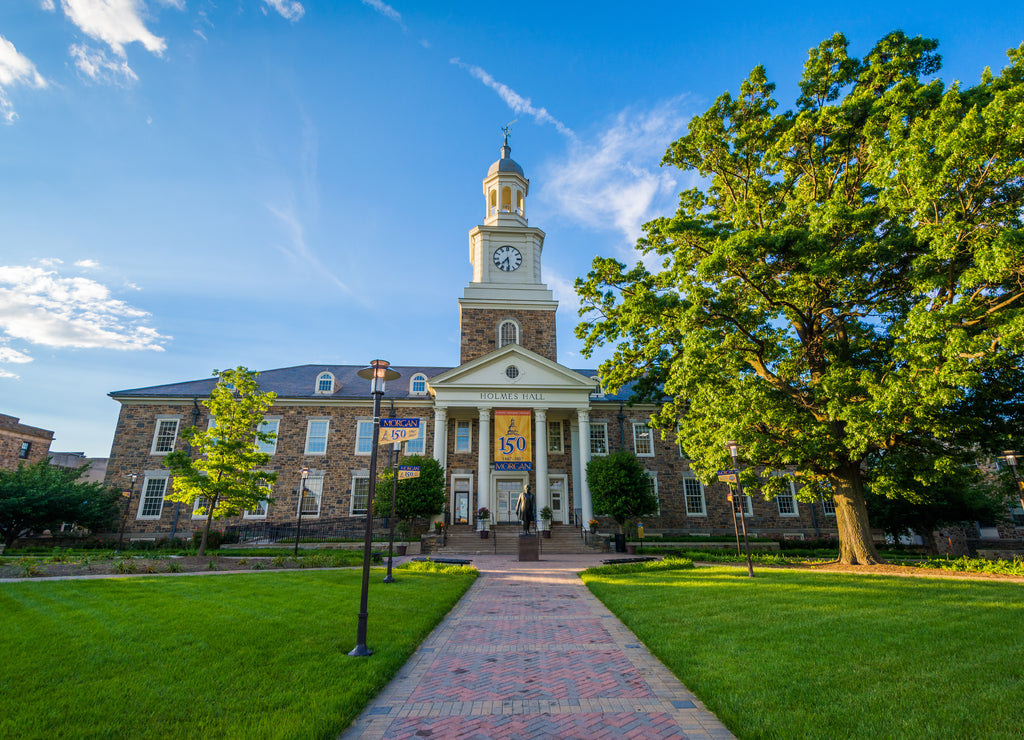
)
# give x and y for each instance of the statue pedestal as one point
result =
(529, 548)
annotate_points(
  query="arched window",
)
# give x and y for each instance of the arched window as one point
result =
(325, 383)
(508, 332)
(494, 201)
(519, 202)
(506, 199)
(418, 385)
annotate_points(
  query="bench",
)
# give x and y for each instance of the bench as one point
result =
(616, 561)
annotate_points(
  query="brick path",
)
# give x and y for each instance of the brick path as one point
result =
(529, 653)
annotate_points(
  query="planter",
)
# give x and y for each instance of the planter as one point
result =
(631, 548)
(546, 534)
(401, 549)
(484, 534)
(620, 541)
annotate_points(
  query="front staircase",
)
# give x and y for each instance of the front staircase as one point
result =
(504, 540)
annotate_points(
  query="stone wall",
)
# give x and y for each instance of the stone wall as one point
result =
(479, 329)
(13, 434)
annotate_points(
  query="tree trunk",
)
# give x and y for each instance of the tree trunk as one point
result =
(855, 544)
(206, 528)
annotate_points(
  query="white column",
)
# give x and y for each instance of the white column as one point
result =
(441, 435)
(541, 437)
(584, 457)
(483, 470)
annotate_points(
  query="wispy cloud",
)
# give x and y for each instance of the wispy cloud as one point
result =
(15, 69)
(385, 10)
(614, 181)
(41, 307)
(87, 264)
(297, 248)
(288, 9)
(512, 99)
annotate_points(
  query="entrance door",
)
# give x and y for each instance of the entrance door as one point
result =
(460, 510)
(508, 490)
(556, 487)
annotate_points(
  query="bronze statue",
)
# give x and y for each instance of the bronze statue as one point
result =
(526, 509)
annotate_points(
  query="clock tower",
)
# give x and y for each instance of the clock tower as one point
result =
(506, 302)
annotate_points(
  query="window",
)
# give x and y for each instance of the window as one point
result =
(693, 489)
(555, 437)
(166, 433)
(260, 512)
(199, 508)
(463, 440)
(508, 332)
(25, 447)
(364, 437)
(316, 436)
(309, 503)
(787, 501)
(269, 426)
(153, 489)
(418, 445)
(643, 440)
(418, 385)
(654, 488)
(325, 383)
(598, 392)
(748, 505)
(828, 505)
(360, 492)
(598, 438)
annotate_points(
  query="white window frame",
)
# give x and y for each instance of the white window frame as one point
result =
(153, 476)
(792, 497)
(469, 435)
(326, 435)
(654, 484)
(364, 435)
(317, 387)
(358, 475)
(599, 391)
(693, 480)
(828, 505)
(594, 425)
(260, 513)
(199, 502)
(637, 438)
(518, 330)
(315, 485)
(418, 378)
(748, 505)
(160, 421)
(421, 442)
(558, 448)
(269, 448)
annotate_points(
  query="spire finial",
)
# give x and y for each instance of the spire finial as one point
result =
(507, 129)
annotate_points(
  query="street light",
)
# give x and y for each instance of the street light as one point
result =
(378, 374)
(1011, 459)
(733, 448)
(127, 505)
(303, 474)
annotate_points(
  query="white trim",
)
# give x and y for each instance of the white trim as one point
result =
(153, 476)
(828, 505)
(748, 505)
(361, 424)
(271, 448)
(412, 383)
(469, 436)
(636, 439)
(654, 481)
(358, 475)
(686, 497)
(792, 497)
(590, 441)
(315, 486)
(200, 501)
(561, 437)
(471, 510)
(519, 332)
(329, 377)
(561, 515)
(326, 421)
(161, 419)
(421, 441)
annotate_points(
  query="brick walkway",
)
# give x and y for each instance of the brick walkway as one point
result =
(529, 653)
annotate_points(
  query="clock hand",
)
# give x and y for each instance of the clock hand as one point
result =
(506, 264)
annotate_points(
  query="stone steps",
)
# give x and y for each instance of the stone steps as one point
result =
(564, 540)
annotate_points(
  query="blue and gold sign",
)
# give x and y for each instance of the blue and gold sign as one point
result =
(408, 471)
(512, 440)
(398, 430)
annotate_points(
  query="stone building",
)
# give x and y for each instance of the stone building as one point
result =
(20, 443)
(508, 385)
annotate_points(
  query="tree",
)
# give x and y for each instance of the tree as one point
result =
(621, 488)
(226, 476)
(845, 278)
(42, 496)
(423, 496)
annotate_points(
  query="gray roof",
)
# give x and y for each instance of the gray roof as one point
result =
(506, 164)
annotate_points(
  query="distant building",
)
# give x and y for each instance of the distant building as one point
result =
(97, 465)
(20, 443)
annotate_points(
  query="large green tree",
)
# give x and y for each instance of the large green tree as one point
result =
(422, 496)
(844, 277)
(621, 488)
(41, 496)
(224, 470)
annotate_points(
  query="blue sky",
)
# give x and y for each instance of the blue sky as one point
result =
(188, 185)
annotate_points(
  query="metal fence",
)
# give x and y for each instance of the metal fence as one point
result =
(340, 529)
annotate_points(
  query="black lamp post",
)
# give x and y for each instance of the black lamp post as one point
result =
(127, 505)
(733, 448)
(303, 474)
(378, 374)
(1011, 459)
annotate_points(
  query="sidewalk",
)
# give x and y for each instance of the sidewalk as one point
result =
(529, 653)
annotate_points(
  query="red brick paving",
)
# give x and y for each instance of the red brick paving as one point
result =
(529, 653)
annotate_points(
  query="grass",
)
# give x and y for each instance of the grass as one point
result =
(237, 656)
(792, 654)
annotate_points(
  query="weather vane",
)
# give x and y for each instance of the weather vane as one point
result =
(507, 128)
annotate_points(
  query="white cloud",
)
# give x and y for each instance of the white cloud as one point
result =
(6, 374)
(514, 100)
(12, 355)
(15, 69)
(50, 261)
(87, 264)
(41, 307)
(98, 66)
(114, 22)
(289, 9)
(385, 10)
(297, 248)
(615, 182)
(47, 5)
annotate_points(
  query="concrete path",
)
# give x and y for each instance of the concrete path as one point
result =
(529, 653)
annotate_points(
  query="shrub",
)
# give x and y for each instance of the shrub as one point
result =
(29, 567)
(125, 565)
(429, 566)
(173, 567)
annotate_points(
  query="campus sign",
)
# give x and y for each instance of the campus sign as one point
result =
(512, 440)
(729, 476)
(408, 471)
(398, 430)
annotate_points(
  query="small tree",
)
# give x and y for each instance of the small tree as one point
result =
(416, 497)
(43, 496)
(621, 488)
(226, 476)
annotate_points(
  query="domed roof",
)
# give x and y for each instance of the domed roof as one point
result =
(506, 163)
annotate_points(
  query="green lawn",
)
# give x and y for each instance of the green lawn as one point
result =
(816, 655)
(259, 655)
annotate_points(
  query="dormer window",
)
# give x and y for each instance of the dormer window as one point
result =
(599, 391)
(508, 332)
(325, 383)
(418, 385)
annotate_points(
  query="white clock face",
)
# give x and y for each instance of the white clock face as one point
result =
(507, 258)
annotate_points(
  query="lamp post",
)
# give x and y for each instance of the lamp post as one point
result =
(303, 474)
(127, 505)
(1011, 459)
(378, 374)
(733, 448)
